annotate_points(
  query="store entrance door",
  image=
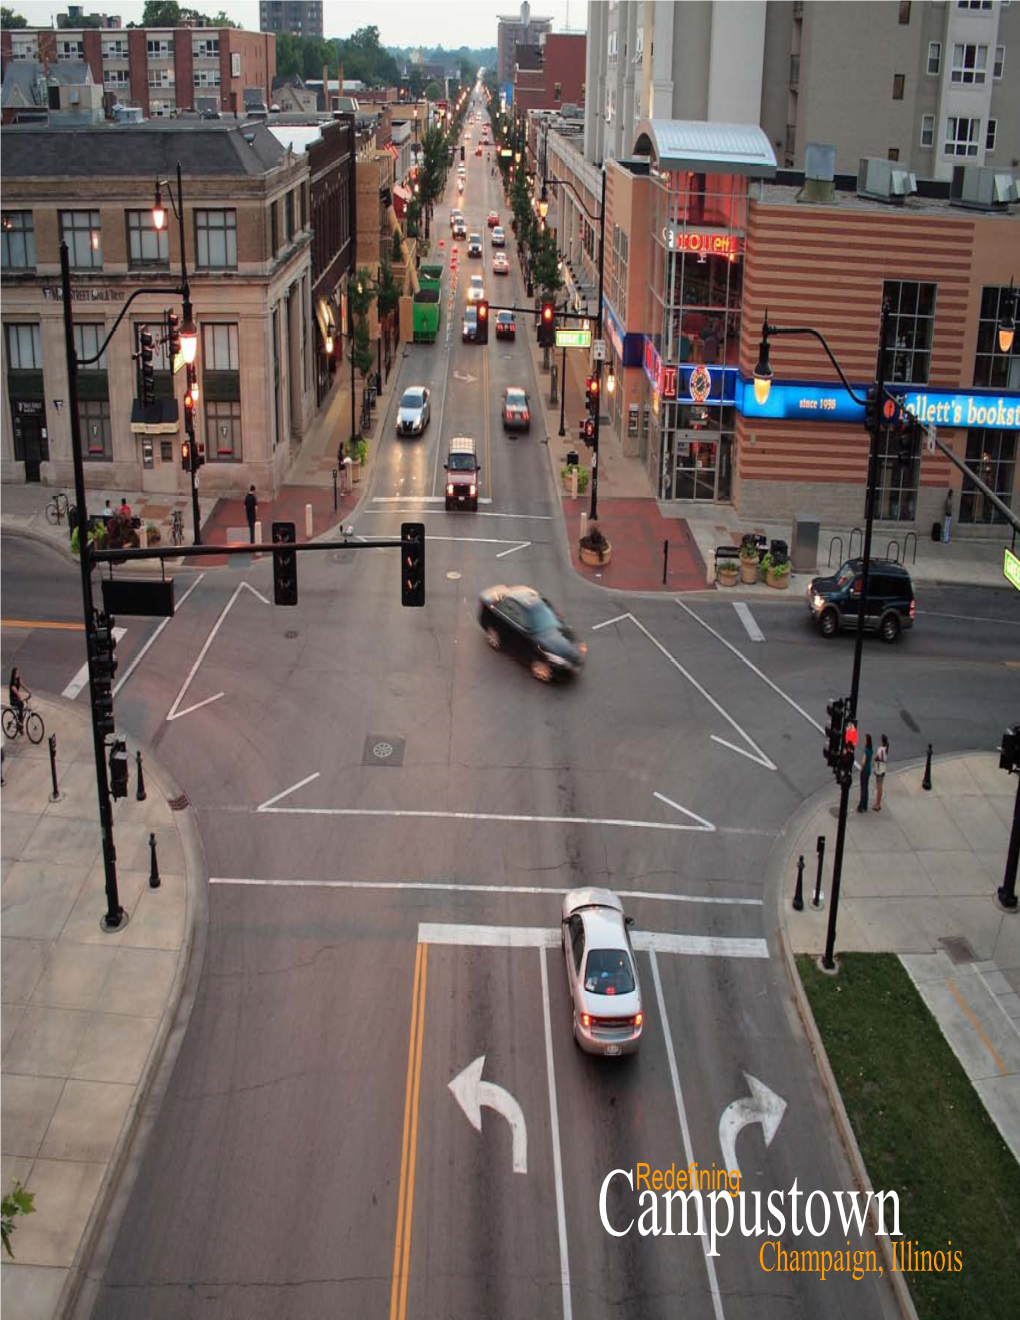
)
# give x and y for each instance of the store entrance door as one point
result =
(30, 432)
(695, 470)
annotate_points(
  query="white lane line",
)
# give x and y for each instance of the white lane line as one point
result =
(513, 549)
(708, 946)
(705, 827)
(293, 789)
(969, 618)
(546, 937)
(81, 678)
(619, 618)
(174, 713)
(554, 1118)
(522, 517)
(685, 1129)
(141, 654)
(753, 667)
(706, 824)
(452, 887)
(747, 619)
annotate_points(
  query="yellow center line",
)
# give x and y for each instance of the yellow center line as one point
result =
(485, 390)
(977, 1027)
(41, 623)
(409, 1142)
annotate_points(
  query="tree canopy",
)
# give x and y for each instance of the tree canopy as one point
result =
(168, 13)
(9, 19)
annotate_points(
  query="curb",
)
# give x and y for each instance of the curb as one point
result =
(78, 1294)
(30, 534)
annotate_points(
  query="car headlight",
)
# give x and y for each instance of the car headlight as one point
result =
(817, 601)
(449, 488)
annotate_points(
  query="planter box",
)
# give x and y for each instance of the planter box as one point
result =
(778, 580)
(728, 579)
(749, 570)
(591, 557)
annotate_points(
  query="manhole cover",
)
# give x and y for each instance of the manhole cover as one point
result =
(383, 749)
(958, 948)
(290, 634)
(453, 576)
(178, 803)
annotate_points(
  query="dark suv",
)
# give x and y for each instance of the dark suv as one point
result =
(834, 602)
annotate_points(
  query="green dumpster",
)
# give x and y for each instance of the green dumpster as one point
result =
(426, 316)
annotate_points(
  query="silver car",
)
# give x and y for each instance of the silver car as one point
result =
(601, 972)
(413, 413)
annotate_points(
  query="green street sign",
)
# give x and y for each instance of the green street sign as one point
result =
(1011, 569)
(574, 339)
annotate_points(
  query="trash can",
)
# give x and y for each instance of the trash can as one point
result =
(572, 458)
(804, 543)
(779, 551)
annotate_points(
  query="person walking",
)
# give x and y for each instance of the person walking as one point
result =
(251, 505)
(869, 753)
(17, 694)
(881, 757)
(947, 517)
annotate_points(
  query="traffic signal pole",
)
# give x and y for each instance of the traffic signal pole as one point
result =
(115, 914)
(594, 513)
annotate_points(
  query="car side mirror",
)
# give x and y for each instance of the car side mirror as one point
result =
(629, 921)
(446, 467)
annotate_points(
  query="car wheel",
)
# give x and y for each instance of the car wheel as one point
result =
(493, 637)
(890, 628)
(829, 623)
(542, 670)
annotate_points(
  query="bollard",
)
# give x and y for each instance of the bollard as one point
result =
(140, 792)
(55, 795)
(2, 759)
(798, 893)
(335, 505)
(926, 781)
(818, 898)
(153, 865)
(308, 522)
(665, 559)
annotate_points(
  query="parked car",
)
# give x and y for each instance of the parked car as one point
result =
(470, 327)
(834, 602)
(493, 219)
(516, 409)
(414, 411)
(475, 245)
(499, 236)
(506, 326)
(520, 621)
(602, 977)
(500, 265)
(476, 289)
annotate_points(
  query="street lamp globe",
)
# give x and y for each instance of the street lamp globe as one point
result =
(763, 372)
(158, 211)
(189, 335)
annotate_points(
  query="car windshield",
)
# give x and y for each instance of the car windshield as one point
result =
(542, 617)
(609, 972)
(846, 575)
(516, 399)
(476, 281)
(412, 399)
(470, 313)
(461, 463)
(505, 318)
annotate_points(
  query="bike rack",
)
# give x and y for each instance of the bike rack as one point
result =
(850, 551)
(906, 542)
(832, 542)
(889, 546)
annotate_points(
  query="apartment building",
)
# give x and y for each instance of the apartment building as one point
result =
(160, 70)
(524, 29)
(550, 74)
(299, 18)
(247, 230)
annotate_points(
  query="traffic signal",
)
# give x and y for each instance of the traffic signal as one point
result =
(907, 436)
(1009, 752)
(102, 648)
(871, 409)
(482, 326)
(412, 564)
(547, 326)
(145, 350)
(462, 151)
(284, 565)
(186, 455)
(836, 711)
(173, 335)
(846, 759)
(588, 432)
(199, 455)
(119, 769)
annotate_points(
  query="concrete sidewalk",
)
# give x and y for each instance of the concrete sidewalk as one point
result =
(919, 879)
(86, 1014)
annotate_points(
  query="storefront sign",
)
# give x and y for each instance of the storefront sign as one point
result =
(669, 382)
(981, 411)
(806, 402)
(719, 245)
(86, 295)
(832, 404)
(700, 383)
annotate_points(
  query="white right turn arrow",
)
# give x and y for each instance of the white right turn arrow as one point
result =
(762, 1106)
(471, 1093)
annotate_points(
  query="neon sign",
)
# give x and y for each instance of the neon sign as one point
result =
(700, 383)
(719, 245)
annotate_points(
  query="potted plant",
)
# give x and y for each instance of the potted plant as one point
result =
(749, 558)
(358, 451)
(593, 546)
(776, 571)
(582, 478)
(153, 536)
(97, 537)
(727, 571)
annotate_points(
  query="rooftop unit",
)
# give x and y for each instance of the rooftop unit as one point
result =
(884, 180)
(982, 189)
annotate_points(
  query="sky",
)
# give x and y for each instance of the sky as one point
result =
(400, 22)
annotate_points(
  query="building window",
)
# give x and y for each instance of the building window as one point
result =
(166, 451)
(220, 347)
(274, 229)
(893, 153)
(162, 109)
(206, 48)
(990, 133)
(116, 79)
(160, 78)
(999, 63)
(207, 77)
(216, 238)
(235, 64)
(304, 206)
(912, 319)
(962, 136)
(288, 216)
(897, 86)
(897, 485)
(974, 4)
(160, 48)
(24, 48)
(147, 245)
(969, 64)
(94, 415)
(927, 130)
(87, 338)
(904, 12)
(80, 231)
(115, 48)
(223, 430)
(557, 91)
(934, 58)
(24, 347)
(70, 50)
(17, 241)
(794, 70)
(992, 455)
(994, 369)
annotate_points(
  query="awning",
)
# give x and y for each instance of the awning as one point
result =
(401, 197)
(324, 309)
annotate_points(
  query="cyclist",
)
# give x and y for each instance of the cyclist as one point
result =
(18, 694)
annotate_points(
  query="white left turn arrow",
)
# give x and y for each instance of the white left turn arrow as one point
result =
(761, 1106)
(471, 1093)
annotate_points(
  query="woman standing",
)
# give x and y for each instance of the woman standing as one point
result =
(881, 757)
(869, 752)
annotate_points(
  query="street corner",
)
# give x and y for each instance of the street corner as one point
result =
(640, 550)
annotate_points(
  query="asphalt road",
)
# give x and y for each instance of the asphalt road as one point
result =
(381, 800)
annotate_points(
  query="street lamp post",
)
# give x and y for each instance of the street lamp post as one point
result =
(563, 384)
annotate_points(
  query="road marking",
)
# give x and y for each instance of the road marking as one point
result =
(81, 678)
(409, 1141)
(747, 619)
(685, 1130)
(524, 517)
(981, 1034)
(174, 713)
(471, 1093)
(758, 756)
(753, 667)
(707, 824)
(452, 887)
(485, 415)
(42, 623)
(762, 1106)
(141, 654)
(293, 789)
(471, 540)
(548, 937)
(561, 1214)
(523, 545)
(969, 618)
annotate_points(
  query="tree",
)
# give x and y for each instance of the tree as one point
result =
(433, 92)
(361, 294)
(161, 13)
(388, 295)
(9, 19)
(545, 263)
(16, 1202)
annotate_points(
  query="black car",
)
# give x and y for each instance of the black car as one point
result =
(506, 326)
(522, 622)
(834, 602)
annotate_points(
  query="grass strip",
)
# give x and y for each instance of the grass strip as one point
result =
(923, 1132)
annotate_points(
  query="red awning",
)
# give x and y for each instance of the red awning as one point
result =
(401, 196)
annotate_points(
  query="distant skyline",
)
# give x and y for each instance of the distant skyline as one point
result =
(400, 22)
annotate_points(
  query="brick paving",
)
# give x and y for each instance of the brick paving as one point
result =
(636, 530)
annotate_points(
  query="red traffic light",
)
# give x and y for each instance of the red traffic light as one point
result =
(483, 310)
(547, 313)
(851, 735)
(889, 409)
(594, 384)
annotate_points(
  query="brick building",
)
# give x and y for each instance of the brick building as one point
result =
(550, 74)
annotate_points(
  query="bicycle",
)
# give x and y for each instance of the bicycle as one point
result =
(58, 509)
(177, 528)
(29, 722)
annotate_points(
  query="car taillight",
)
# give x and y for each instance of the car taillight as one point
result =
(639, 1019)
(583, 647)
(474, 489)
(525, 415)
(913, 608)
(449, 488)
(585, 1020)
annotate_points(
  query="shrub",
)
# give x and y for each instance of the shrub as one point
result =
(582, 477)
(595, 541)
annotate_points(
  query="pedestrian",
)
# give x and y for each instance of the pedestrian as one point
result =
(947, 517)
(869, 752)
(17, 694)
(108, 511)
(251, 505)
(125, 508)
(881, 757)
